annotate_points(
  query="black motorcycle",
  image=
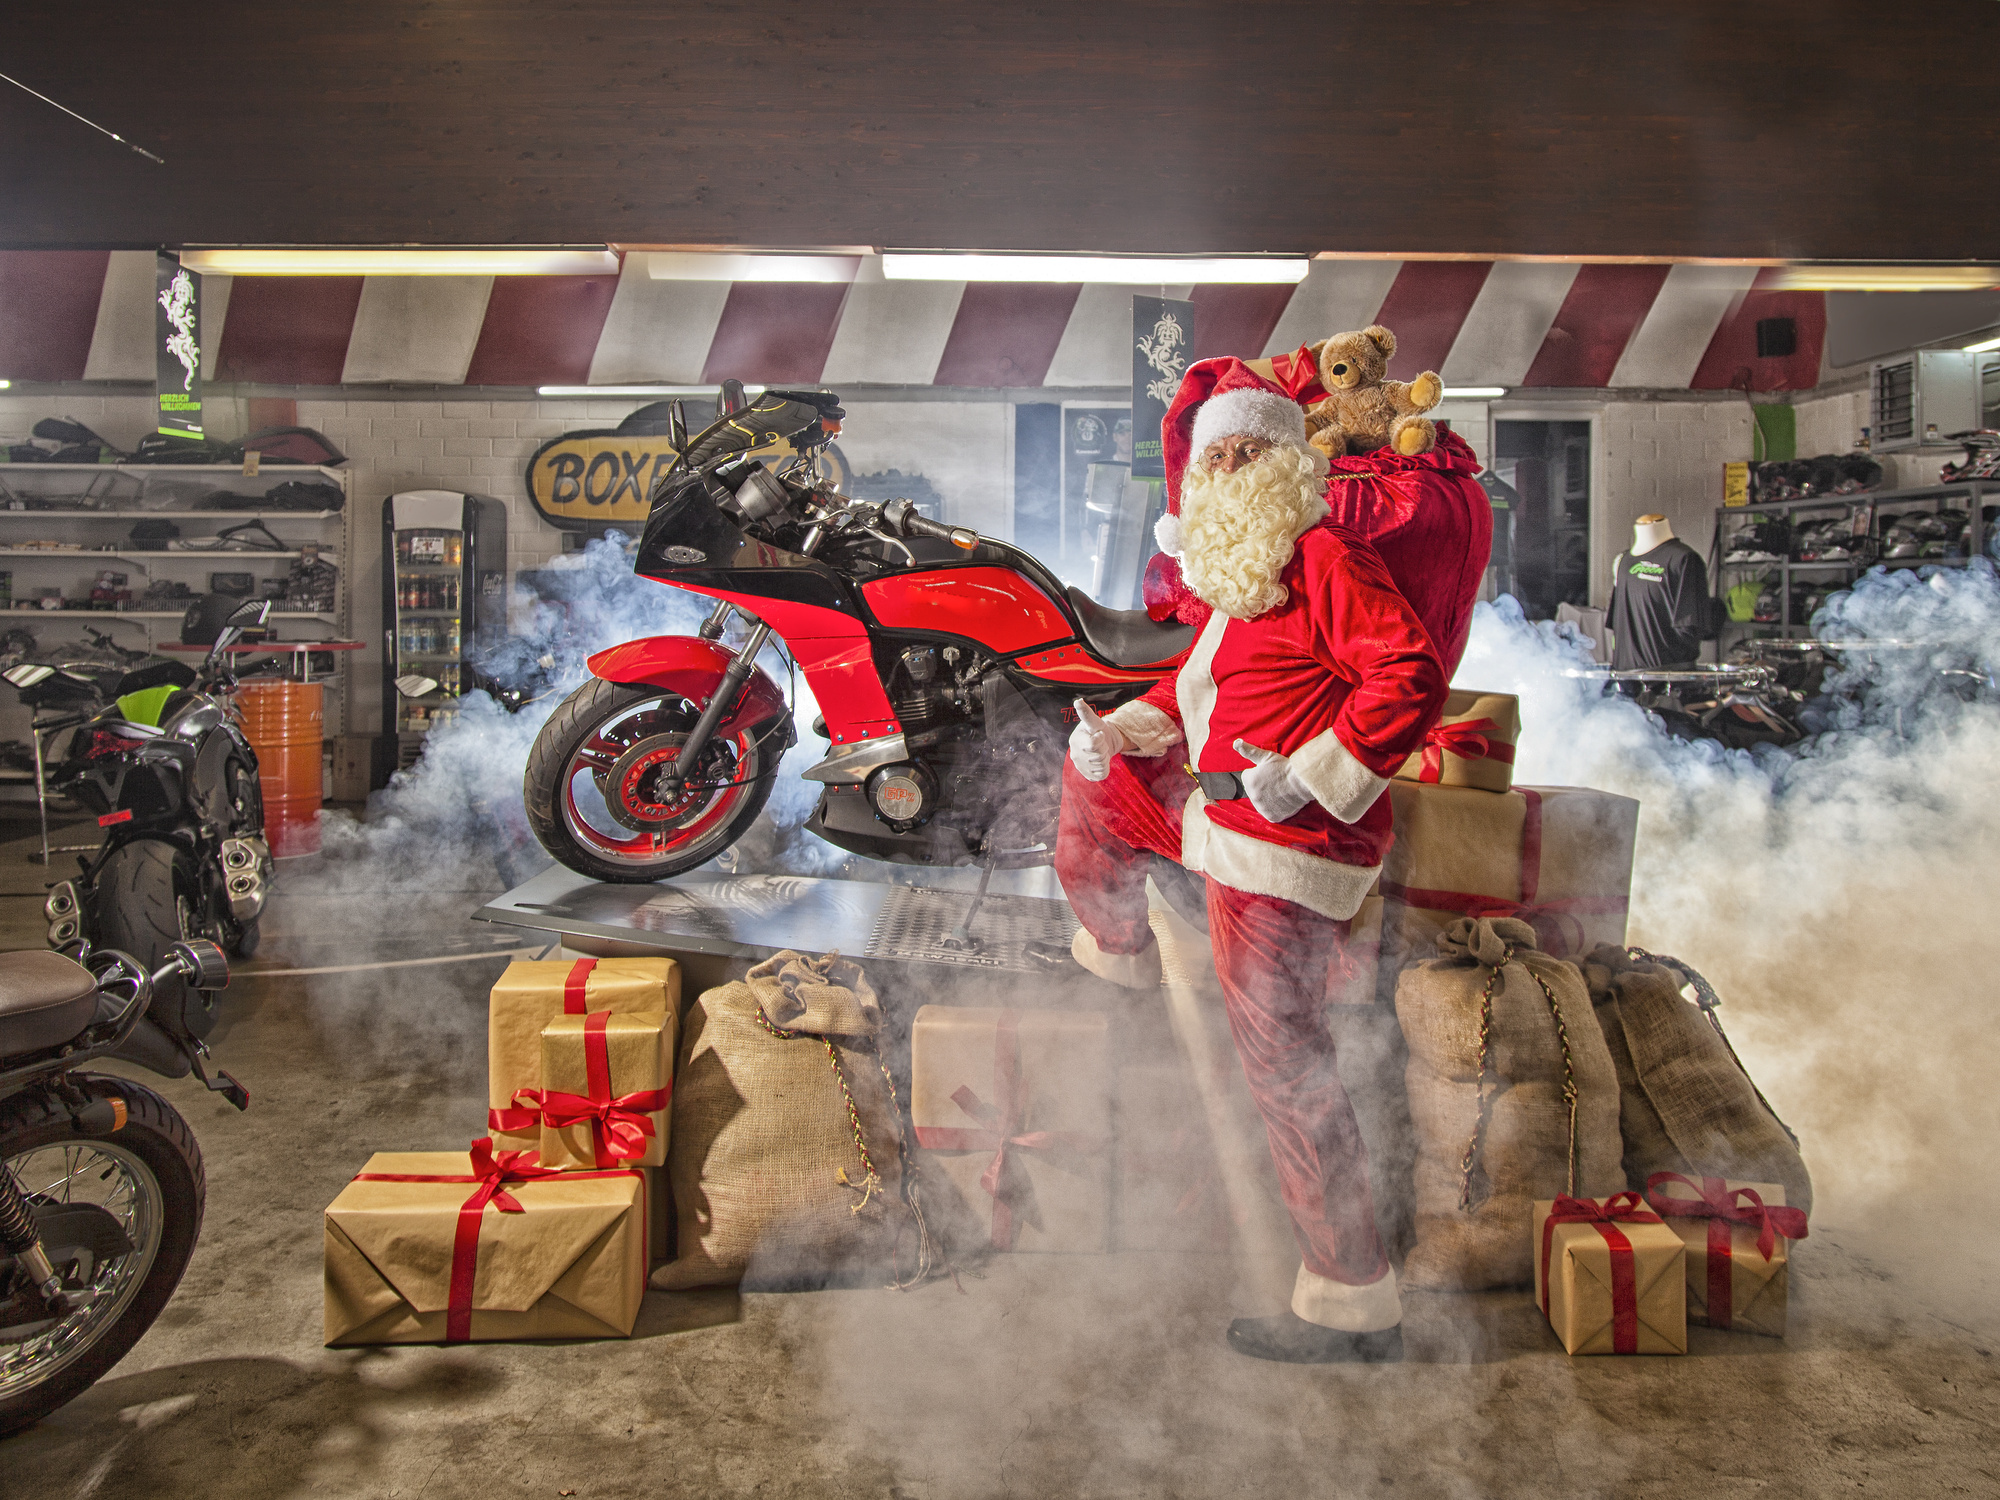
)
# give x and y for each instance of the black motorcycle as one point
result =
(101, 1183)
(155, 753)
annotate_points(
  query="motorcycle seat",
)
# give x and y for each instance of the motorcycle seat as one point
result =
(45, 999)
(1128, 637)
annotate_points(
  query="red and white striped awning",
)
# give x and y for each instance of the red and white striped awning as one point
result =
(87, 315)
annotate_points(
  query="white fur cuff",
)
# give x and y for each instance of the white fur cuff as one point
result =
(1338, 782)
(1351, 1309)
(1148, 731)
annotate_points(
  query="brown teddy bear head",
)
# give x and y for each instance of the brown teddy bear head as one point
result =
(1350, 359)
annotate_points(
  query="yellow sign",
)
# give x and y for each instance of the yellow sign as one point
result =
(608, 476)
(1735, 485)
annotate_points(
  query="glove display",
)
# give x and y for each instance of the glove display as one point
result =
(1269, 783)
(1093, 743)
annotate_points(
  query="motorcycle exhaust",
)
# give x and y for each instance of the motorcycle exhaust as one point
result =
(64, 932)
(246, 863)
(62, 902)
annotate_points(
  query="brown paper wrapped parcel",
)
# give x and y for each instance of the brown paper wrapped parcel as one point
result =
(1013, 1110)
(1472, 743)
(530, 995)
(1609, 1275)
(1732, 1281)
(637, 1059)
(411, 1262)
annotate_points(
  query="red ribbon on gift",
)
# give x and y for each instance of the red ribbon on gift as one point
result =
(1718, 1204)
(492, 1173)
(1555, 922)
(1468, 739)
(574, 984)
(1297, 375)
(1626, 1208)
(619, 1126)
(1002, 1134)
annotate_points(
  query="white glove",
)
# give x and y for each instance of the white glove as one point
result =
(1269, 784)
(1093, 743)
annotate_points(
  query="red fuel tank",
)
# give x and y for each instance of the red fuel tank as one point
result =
(996, 607)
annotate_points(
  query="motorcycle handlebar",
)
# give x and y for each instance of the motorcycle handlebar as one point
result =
(901, 517)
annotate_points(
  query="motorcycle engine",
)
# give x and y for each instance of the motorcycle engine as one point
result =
(904, 794)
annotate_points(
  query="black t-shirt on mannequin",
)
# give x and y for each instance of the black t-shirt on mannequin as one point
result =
(1659, 607)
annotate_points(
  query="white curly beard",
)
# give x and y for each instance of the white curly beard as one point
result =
(1239, 530)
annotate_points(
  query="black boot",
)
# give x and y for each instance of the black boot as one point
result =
(1053, 959)
(1290, 1338)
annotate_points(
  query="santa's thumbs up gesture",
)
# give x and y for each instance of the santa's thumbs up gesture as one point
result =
(1269, 783)
(1093, 744)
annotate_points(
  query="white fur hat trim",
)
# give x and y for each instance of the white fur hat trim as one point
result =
(1251, 413)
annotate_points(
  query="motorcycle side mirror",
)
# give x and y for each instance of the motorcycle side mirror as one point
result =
(414, 685)
(733, 398)
(28, 673)
(677, 425)
(250, 612)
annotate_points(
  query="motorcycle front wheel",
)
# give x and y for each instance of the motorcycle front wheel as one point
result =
(598, 798)
(146, 1178)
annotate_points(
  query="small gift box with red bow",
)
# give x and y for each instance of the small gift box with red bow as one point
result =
(1609, 1276)
(428, 1247)
(606, 1080)
(1738, 1272)
(1013, 1111)
(1472, 743)
(530, 995)
(1557, 857)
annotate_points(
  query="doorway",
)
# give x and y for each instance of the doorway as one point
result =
(1547, 464)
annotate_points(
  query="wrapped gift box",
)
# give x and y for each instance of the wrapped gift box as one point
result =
(1610, 1277)
(1013, 1111)
(606, 1081)
(1355, 984)
(530, 995)
(1558, 857)
(1738, 1270)
(428, 1247)
(1472, 743)
(1169, 1190)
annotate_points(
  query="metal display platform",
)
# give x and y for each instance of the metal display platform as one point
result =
(719, 926)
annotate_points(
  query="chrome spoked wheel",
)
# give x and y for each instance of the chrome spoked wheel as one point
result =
(101, 1290)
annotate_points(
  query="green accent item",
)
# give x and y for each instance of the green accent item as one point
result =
(1776, 439)
(144, 706)
(1741, 601)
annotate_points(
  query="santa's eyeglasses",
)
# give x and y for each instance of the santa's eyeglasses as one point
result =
(1241, 450)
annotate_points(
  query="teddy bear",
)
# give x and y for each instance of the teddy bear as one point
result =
(1362, 411)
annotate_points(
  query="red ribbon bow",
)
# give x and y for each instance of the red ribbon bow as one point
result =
(1718, 1203)
(1556, 923)
(1003, 1134)
(1468, 739)
(492, 1172)
(619, 1127)
(1627, 1208)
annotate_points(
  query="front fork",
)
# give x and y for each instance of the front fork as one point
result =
(726, 691)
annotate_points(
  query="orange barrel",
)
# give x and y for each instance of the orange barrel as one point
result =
(286, 723)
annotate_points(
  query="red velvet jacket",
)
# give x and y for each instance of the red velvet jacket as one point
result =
(1342, 678)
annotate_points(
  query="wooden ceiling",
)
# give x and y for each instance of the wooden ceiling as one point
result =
(1678, 128)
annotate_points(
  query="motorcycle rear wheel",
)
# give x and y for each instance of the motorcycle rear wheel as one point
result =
(596, 732)
(149, 1176)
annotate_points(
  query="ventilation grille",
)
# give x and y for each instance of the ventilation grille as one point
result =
(914, 923)
(1893, 407)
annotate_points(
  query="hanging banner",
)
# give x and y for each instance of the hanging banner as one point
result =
(177, 349)
(1162, 332)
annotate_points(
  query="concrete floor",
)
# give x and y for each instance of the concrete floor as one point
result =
(1042, 1376)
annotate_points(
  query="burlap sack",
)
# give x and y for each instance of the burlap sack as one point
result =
(769, 1183)
(1523, 1131)
(1685, 1103)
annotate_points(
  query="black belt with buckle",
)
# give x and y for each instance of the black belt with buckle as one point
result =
(1218, 786)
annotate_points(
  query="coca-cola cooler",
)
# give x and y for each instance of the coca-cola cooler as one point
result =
(444, 594)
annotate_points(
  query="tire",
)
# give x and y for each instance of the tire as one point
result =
(140, 891)
(558, 759)
(161, 1142)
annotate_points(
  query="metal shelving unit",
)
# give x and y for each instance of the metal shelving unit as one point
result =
(1878, 510)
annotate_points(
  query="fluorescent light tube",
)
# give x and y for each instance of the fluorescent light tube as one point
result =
(1865, 278)
(1979, 348)
(702, 265)
(640, 390)
(1127, 270)
(1474, 392)
(334, 260)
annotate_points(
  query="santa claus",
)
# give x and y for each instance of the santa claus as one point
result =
(1261, 764)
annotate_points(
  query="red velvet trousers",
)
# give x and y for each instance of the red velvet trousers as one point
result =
(1273, 958)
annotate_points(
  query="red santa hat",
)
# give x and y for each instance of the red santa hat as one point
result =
(1220, 398)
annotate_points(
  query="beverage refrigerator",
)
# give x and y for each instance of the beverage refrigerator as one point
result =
(444, 594)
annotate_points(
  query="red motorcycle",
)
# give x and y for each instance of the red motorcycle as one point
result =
(946, 665)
